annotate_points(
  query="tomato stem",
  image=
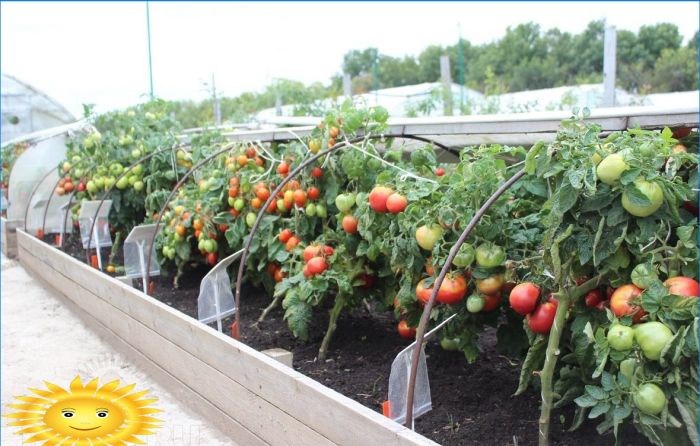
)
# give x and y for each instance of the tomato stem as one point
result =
(275, 302)
(332, 324)
(550, 363)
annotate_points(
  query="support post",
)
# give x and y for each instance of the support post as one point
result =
(347, 85)
(446, 78)
(609, 66)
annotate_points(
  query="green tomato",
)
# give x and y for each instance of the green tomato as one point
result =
(231, 201)
(109, 182)
(202, 245)
(465, 256)
(238, 204)
(652, 337)
(137, 170)
(610, 169)
(643, 275)
(321, 211)
(177, 237)
(650, 399)
(136, 154)
(311, 210)
(116, 168)
(250, 219)
(653, 193)
(490, 255)
(428, 236)
(99, 182)
(76, 159)
(475, 303)
(621, 337)
(91, 187)
(627, 367)
(280, 205)
(122, 183)
(138, 186)
(449, 344)
(78, 173)
(211, 246)
(344, 202)
(203, 186)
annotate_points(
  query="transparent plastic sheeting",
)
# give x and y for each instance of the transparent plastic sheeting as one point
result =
(29, 168)
(55, 214)
(398, 386)
(136, 247)
(101, 236)
(215, 301)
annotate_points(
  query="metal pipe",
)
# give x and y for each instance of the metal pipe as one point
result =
(420, 334)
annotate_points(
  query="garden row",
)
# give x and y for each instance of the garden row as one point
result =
(587, 265)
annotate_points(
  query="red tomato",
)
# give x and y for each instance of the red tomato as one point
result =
(523, 298)
(328, 251)
(405, 331)
(212, 258)
(263, 193)
(278, 275)
(540, 321)
(378, 198)
(292, 242)
(283, 168)
(250, 152)
(452, 290)
(429, 269)
(491, 302)
(681, 132)
(439, 171)
(350, 224)
(40, 234)
(621, 302)
(300, 197)
(367, 279)
(81, 187)
(396, 203)
(683, 286)
(316, 172)
(313, 193)
(306, 272)
(317, 265)
(593, 298)
(312, 251)
(285, 235)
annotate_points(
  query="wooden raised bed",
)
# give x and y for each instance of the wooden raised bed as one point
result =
(249, 396)
(8, 237)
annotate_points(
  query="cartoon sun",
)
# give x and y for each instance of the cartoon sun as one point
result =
(85, 415)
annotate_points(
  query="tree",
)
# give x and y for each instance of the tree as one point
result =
(676, 70)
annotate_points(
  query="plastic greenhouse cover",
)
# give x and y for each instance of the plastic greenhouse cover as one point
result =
(101, 228)
(215, 301)
(29, 168)
(136, 247)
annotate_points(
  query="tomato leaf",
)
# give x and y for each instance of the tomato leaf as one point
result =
(533, 361)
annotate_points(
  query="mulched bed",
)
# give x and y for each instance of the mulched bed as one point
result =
(472, 403)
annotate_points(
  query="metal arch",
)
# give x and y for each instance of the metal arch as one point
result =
(273, 196)
(420, 332)
(194, 168)
(108, 192)
(48, 202)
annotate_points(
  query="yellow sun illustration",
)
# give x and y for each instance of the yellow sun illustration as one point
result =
(86, 415)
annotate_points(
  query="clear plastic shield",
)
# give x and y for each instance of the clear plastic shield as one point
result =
(215, 301)
(398, 386)
(29, 168)
(136, 247)
(100, 236)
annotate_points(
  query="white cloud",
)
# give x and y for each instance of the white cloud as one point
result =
(96, 52)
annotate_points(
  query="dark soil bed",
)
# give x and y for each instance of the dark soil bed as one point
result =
(472, 403)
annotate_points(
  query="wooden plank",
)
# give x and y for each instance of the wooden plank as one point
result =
(300, 396)
(8, 237)
(263, 419)
(222, 421)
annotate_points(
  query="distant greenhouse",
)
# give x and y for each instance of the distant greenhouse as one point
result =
(25, 109)
(427, 99)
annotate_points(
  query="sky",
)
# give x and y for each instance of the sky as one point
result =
(92, 52)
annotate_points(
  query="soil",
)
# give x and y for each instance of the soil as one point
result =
(472, 403)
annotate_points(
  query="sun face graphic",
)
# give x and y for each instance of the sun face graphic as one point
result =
(85, 415)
